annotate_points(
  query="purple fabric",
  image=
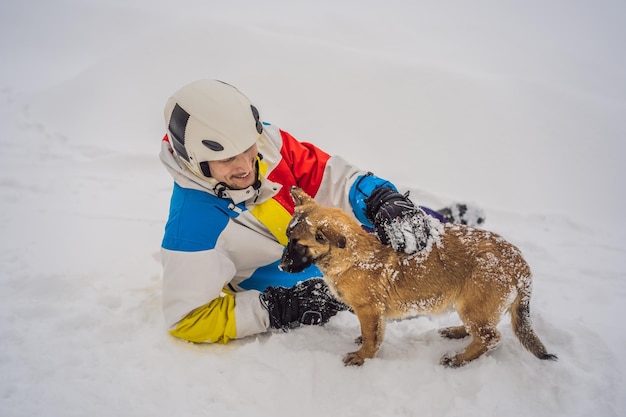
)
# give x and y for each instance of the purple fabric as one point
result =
(434, 214)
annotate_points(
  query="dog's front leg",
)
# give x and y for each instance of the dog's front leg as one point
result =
(372, 333)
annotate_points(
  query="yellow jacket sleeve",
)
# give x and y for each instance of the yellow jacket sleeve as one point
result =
(211, 323)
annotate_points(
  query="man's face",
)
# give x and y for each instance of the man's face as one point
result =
(237, 172)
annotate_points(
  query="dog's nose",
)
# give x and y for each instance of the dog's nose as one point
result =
(285, 265)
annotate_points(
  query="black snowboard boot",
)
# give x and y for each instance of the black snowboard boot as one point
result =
(462, 213)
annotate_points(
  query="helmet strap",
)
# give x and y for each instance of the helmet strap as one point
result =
(204, 167)
(257, 182)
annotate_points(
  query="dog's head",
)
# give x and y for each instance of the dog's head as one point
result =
(312, 233)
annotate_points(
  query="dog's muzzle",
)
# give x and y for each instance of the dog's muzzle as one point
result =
(295, 258)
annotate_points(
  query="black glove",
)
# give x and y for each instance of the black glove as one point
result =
(309, 302)
(397, 221)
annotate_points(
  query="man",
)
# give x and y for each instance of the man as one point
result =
(230, 208)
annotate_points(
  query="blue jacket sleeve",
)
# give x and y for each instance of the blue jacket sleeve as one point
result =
(361, 189)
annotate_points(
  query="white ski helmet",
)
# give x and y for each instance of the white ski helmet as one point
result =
(210, 120)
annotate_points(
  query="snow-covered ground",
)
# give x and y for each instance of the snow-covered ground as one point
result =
(517, 106)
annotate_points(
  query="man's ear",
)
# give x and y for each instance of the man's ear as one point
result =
(300, 197)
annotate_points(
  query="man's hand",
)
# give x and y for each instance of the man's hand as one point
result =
(308, 302)
(397, 221)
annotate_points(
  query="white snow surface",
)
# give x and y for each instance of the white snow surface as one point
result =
(516, 106)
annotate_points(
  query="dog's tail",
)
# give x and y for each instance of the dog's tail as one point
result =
(522, 326)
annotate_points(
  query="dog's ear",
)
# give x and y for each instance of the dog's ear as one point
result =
(300, 197)
(332, 236)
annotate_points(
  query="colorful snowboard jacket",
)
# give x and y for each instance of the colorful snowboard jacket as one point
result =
(222, 247)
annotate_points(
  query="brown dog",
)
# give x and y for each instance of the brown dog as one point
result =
(473, 271)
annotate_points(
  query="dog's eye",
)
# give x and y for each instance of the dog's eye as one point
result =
(298, 247)
(319, 238)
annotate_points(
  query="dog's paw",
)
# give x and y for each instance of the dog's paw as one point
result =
(456, 332)
(359, 340)
(451, 360)
(353, 359)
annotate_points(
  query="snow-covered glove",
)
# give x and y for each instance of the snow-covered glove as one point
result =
(397, 221)
(308, 302)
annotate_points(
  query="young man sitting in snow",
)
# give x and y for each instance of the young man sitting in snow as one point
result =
(230, 208)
